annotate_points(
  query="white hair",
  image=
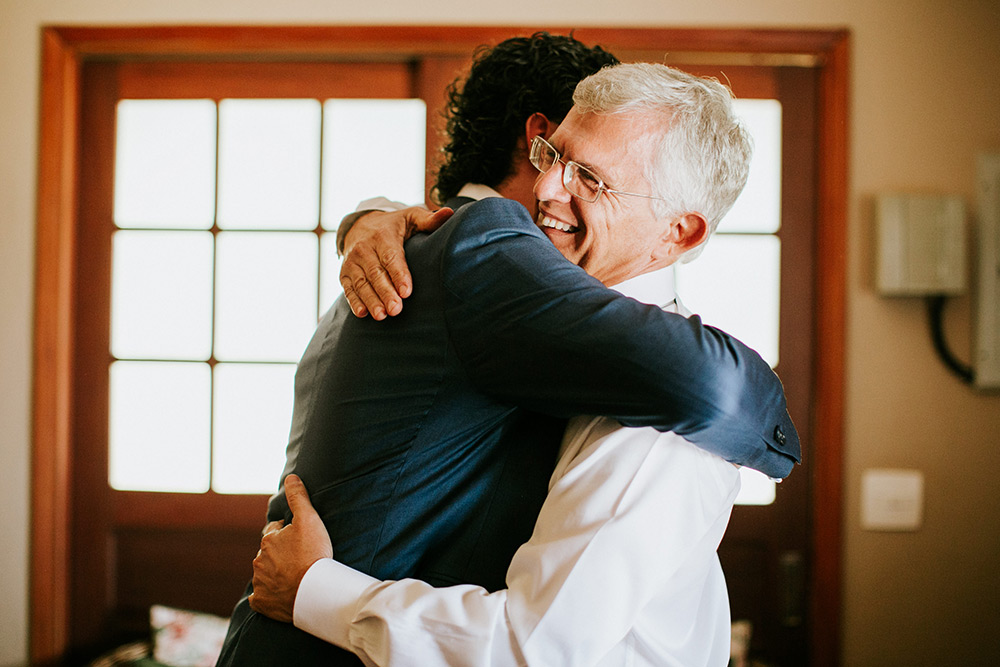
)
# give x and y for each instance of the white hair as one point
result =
(703, 157)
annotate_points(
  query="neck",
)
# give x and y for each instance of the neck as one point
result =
(520, 185)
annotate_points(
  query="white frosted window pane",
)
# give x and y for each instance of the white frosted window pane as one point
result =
(161, 295)
(330, 287)
(371, 148)
(165, 164)
(159, 426)
(266, 295)
(735, 285)
(253, 410)
(755, 488)
(269, 164)
(758, 208)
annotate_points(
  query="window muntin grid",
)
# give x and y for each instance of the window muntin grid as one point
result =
(207, 325)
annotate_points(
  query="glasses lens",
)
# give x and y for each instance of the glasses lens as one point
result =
(542, 155)
(582, 182)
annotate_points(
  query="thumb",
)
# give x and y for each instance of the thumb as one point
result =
(433, 219)
(297, 496)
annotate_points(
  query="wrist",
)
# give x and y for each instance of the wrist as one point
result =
(345, 227)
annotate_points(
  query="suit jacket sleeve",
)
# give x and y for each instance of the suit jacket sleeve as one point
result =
(533, 329)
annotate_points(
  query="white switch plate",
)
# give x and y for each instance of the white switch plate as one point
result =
(987, 338)
(892, 499)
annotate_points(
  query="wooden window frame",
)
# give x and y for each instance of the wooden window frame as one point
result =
(65, 49)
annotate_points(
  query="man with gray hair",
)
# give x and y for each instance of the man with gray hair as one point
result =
(621, 567)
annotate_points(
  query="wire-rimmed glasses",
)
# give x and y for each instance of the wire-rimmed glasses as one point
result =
(578, 180)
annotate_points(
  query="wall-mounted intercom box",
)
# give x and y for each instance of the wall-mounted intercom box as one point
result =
(922, 247)
(987, 335)
(923, 250)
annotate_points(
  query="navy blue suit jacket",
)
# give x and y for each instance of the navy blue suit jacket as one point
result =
(426, 441)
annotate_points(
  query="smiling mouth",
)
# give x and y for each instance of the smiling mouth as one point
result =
(550, 223)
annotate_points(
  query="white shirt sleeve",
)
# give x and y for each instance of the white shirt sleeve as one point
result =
(405, 622)
(380, 204)
(627, 511)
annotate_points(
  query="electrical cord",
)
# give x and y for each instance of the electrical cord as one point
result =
(935, 310)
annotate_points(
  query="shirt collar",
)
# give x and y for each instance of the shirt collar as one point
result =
(655, 288)
(478, 191)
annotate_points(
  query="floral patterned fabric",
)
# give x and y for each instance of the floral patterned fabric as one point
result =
(186, 638)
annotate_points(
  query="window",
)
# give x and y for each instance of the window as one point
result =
(735, 284)
(221, 265)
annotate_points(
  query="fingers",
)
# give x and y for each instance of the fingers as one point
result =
(357, 305)
(361, 297)
(394, 283)
(375, 277)
(374, 273)
(391, 279)
(392, 258)
(272, 526)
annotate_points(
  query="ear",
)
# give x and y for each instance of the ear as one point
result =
(686, 231)
(692, 230)
(538, 124)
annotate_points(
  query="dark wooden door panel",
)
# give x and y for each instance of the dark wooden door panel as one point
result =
(200, 570)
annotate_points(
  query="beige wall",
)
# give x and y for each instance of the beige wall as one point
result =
(926, 100)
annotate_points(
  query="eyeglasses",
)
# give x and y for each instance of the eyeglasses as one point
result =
(577, 179)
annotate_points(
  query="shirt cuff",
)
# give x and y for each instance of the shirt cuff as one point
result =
(327, 600)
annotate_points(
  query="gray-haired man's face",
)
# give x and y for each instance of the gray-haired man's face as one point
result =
(616, 237)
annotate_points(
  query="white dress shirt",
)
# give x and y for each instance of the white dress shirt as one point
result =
(621, 570)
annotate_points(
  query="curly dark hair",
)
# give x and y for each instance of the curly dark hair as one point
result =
(506, 84)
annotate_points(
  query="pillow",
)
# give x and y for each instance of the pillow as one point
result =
(186, 638)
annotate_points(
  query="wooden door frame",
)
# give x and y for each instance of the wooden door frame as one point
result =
(65, 49)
